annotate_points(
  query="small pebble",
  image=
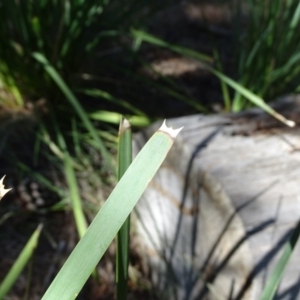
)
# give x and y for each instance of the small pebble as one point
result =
(30, 206)
(34, 186)
(21, 188)
(35, 194)
(25, 197)
(39, 201)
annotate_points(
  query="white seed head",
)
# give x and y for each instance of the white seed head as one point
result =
(169, 130)
(3, 191)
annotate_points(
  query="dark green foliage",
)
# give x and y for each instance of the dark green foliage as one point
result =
(268, 48)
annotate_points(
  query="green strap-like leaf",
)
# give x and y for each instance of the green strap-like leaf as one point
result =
(124, 161)
(76, 105)
(20, 263)
(274, 280)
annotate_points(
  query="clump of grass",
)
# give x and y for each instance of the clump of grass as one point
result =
(109, 220)
(226, 81)
(267, 49)
(40, 58)
(71, 38)
(43, 58)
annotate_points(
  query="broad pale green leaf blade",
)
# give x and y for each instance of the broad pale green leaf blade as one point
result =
(111, 217)
(274, 280)
(20, 263)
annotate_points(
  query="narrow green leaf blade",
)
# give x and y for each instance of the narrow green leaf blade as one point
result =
(109, 97)
(77, 208)
(76, 105)
(274, 280)
(123, 237)
(144, 36)
(252, 97)
(20, 263)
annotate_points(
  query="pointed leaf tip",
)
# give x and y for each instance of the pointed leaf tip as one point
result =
(169, 130)
(3, 191)
(124, 125)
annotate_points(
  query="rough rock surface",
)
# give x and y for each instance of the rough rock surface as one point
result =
(215, 218)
